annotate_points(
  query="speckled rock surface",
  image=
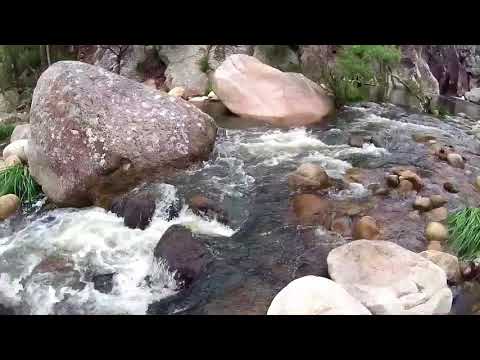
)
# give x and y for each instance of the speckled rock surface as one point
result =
(96, 133)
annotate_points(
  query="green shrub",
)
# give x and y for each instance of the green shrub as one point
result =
(6, 131)
(17, 180)
(358, 66)
(203, 64)
(464, 233)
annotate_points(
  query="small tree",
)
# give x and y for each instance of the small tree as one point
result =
(119, 51)
(358, 66)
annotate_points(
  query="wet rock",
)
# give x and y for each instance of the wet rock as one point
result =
(381, 191)
(137, 210)
(366, 228)
(17, 148)
(473, 95)
(436, 231)
(103, 283)
(356, 141)
(313, 295)
(437, 215)
(410, 176)
(405, 186)
(393, 180)
(442, 152)
(204, 207)
(446, 262)
(312, 209)
(250, 88)
(9, 204)
(422, 203)
(309, 176)
(455, 160)
(342, 225)
(183, 253)
(95, 133)
(389, 279)
(177, 91)
(451, 188)
(438, 200)
(21, 132)
(57, 271)
(435, 245)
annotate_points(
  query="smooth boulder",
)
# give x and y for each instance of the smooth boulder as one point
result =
(446, 262)
(18, 148)
(21, 132)
(250, 88)
(137, 211)
(389, 279)
(94, 132)
(309, 177)
(9, 204)
(314, 295)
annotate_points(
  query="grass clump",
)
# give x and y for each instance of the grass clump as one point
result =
(6, 131)
(17, 180)
(464, 233)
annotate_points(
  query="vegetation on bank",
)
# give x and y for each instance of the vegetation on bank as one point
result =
(17, 180)
(6, 131)
(358, 67)
(464, 233)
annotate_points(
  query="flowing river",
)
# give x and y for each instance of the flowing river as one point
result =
(262, 248)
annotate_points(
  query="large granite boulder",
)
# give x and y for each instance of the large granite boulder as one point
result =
(252, 89)
(94, 132)
(389, 279)
(315, 295)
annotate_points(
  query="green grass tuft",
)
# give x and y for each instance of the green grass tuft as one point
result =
(17, 180)
(6, 131)
(204, 64)
(464, 233)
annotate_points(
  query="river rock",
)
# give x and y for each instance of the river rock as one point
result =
(314, 295)
(94, 133)
(435, 245)
(312, 209)
(366, 228)
(342, 225)
(137, 211)
(250, 88)
(422, 203)
(438, 200)
(12, 160)
(455, 160)
(389, 279)
(412, 177)
(309, 176)
(392, 180)
(183, 253)
(451, 187)
(204, 207)
(9, 204)
(177, 91)
(436, 231)
(21, 132)
(103, 283)
(17, 148)
(439, 214)
(446, 262)
(473, 95)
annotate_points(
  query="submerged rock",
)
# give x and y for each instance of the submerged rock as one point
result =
(438, 201)
(438, 214)
(450, 187)
(314, 295)
(136, 210)
(95, 133)
(183, 253)
(366, 228)
(422, 203)
(309, 176)
(389, 279)
(207, 208)
(312, 209)
(103, 283)
(456, 160)
(250, 88)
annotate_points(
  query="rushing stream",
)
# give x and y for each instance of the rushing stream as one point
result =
(262, 248)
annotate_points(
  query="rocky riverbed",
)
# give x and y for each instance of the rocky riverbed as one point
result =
(86, 261)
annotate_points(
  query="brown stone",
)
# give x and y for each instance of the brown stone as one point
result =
(439, 214)
(422, 203)
(455, 160)
(392, 180)
(412, 177)
(450, 187)
(366, 228)
(435, 245)
(438, 200)
(309, 176)
(405, 186)
(436, 231)
(312, 209)
(342, 225)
